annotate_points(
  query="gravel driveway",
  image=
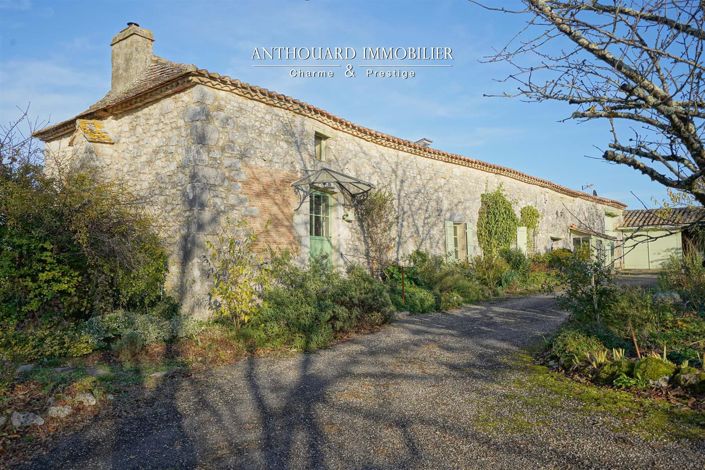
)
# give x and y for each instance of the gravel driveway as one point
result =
(410, 395)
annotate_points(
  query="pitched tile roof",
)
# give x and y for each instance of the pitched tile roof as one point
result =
(165, 77)
(663, 217)
(160, 72)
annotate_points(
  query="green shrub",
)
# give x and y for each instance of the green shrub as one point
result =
(610, 371)
(625, 381)
(237, 274)
(518, 271)
(431, 271)
(496, 223)
(516, 260)
(73, 246)
(589, 289)
(45, 339)
(510, 280)
(686, 276)
(489, 271)
(114, 326)
(632, 314)
(470, 290)
(289, 318)
(188, 327)
(573, 348)
(449, 300)
(303, 308)
(653, 368)
(365, 299)
(128, 346)
(682, 333)
(376, 217)
(557, 259)
(540, 281)
(418, 300)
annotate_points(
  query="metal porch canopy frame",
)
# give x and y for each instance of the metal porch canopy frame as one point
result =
(327, 180)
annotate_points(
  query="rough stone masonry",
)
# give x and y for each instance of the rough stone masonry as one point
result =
(206, 151)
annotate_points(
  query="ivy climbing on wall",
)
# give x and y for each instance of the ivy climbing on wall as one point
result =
(529, 218)
(496, 223)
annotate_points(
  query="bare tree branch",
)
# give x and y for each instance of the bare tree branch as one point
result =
(639, 65)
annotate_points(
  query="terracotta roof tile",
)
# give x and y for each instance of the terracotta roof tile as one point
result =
(663, 217)
(163, 72)
(160, 71)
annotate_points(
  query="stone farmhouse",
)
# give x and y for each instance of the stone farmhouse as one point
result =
(204, 148)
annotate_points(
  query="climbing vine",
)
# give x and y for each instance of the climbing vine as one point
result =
(497, 223)
(376, 216)
(530, 219)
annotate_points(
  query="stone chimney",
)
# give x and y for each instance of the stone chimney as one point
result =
(132, 55)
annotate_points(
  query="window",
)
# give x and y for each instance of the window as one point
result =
(581, 243)
(460, 242)
(319, 217)
(457, 241)
(319, 141)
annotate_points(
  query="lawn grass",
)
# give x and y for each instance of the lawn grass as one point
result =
(538, 395)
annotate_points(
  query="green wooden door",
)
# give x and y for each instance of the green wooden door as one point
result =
(320, 243)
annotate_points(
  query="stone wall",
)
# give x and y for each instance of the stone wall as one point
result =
(205, 156)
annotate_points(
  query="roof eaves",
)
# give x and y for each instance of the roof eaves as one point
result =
(201, 76)
(589, 231)
(257, 93)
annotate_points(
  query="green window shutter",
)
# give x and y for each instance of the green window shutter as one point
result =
(450, 242)
(467, 240)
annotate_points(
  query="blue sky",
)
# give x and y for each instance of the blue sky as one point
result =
(55, 56)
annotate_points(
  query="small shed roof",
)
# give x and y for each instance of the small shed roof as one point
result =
(680, 216)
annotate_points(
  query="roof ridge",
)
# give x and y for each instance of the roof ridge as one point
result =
(263, 94)
(663, 216)
(146, 89)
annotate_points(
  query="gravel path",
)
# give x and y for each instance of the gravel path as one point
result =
(411, 395)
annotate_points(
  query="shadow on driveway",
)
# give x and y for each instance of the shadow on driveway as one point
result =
(406, 396)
